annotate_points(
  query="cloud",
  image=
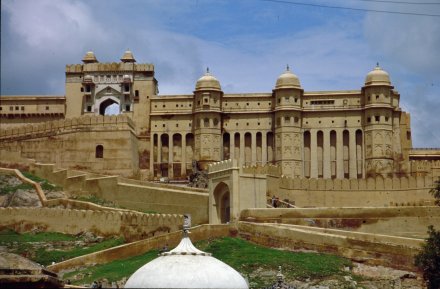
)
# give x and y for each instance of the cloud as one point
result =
(246, 50)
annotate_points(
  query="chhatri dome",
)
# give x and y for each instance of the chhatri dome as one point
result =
(378, 76)
(287, 80)
(186, 267)
(128, 56)
(208, 82)
(90, 57)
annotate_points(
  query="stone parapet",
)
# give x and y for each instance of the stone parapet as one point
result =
(52, 128)
(128, 224)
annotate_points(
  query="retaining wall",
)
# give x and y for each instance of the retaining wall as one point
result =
(130, 225)
(198, 233)
(396, 221)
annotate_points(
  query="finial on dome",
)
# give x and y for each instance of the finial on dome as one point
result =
(186, 224)
(207, 70)
(287, 67)
(90, 57)
(128, 56)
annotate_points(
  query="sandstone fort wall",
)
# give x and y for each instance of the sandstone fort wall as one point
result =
(136, 195)
(203, 232)
(130, 225)
(376, 192)
(397, 221)
(105, 144)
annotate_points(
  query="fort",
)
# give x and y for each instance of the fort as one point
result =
(341, 161)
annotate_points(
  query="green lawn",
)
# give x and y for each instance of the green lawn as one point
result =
(243, 256)
(26, 243)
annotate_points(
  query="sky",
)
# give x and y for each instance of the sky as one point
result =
(245, 43)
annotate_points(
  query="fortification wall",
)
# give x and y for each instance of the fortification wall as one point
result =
(372, 252)
(130, 225)
(143, 196)
(203, 232)
(397, 221)
(425, 168)
(73, 143)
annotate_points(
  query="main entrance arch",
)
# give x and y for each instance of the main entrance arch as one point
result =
(106, 103)
(222, 198)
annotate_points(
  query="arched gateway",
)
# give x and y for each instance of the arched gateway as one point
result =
(231, 191)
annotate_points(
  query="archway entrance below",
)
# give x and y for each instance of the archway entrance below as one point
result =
(109, 107)
(223, 203)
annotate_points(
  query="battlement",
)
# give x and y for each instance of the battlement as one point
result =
(267, 169)
(113, 122)
(223, 165)
(107, 67)
(131, 225)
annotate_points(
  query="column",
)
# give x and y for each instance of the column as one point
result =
(264, 148)
(159, 154)
(241, 149)
(170, 156)
(253, 148)
(313, 154)
(152, 155)
(339, 155)
(183, 166)
(352, 162)
(326, 155)
(232, 145)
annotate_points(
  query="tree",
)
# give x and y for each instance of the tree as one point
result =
(436, 192)
(428, 260)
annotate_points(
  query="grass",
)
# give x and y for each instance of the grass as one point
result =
(243, 256)
(10, 236)
(24, 243)
(45, 257)
(45, 185)
(112, 271)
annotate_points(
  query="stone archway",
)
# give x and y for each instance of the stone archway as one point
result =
(222, 198)
(106, 103)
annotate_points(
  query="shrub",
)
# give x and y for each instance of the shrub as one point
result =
(428, 260)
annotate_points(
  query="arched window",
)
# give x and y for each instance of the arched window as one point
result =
(99, 152)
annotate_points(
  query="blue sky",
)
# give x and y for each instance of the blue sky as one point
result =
(245, 43)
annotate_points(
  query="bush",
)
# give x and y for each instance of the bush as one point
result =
(429, 259)
(436, 192)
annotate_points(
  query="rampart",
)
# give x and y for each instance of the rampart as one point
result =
(376, 192)
(396, 221)
(197, 233)
(130, 225)
(105, 144)
(130, 194)
(112, 66)
(51, 128)
(391, 252)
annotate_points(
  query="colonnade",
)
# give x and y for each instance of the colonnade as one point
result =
(333, 153)
(327, 153)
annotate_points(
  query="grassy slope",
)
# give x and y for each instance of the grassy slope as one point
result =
(46, 257)
(241, 255)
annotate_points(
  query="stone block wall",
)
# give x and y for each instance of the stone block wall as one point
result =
(130, 225)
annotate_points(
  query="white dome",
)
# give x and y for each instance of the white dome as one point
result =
(208, 82)
(378, 76)
(186, 267)
(287, 80)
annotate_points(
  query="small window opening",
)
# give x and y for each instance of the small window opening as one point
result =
(99, 152)
(82, 89)
(89, 108)
(136, 93)
(377, 118)
(127, 107)
(47, 108)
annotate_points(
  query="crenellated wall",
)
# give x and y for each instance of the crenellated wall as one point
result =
(130, 225)
(130, 194)
(249, 182)
(74, 143)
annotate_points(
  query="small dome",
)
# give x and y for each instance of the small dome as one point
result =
(88, 77)
(377, 76)
(287, 80)
(90, 57)
(208, 82)
(128, 57)
(186, 267)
